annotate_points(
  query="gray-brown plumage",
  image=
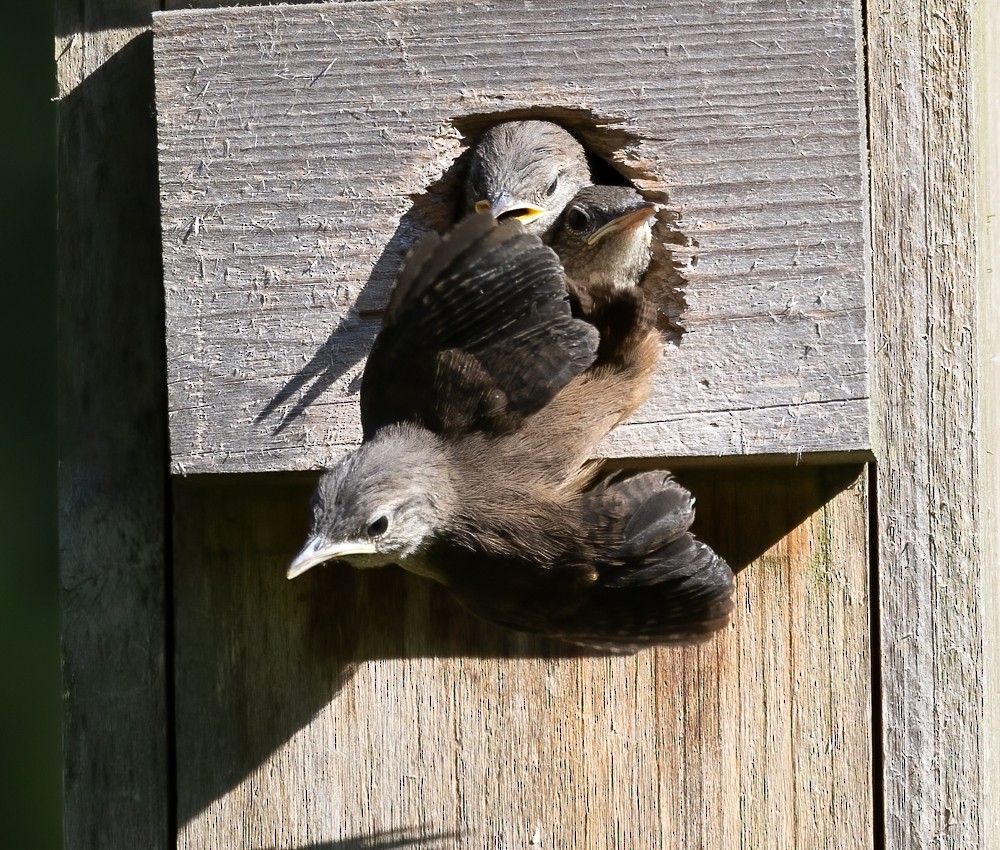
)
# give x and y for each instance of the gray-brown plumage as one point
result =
(603, 240)
(603, 236)
(481, 402)
(528, 170)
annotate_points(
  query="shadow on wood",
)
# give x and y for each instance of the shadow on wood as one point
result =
(262, 655)
(434, 209)
(742, 512)
(390, 840)
(112, 437)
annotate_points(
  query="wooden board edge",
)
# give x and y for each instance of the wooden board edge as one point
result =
(986, 83)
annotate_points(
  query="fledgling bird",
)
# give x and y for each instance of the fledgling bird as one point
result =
(604, 236)
(481, 403)
(526, 170)
(603, 240)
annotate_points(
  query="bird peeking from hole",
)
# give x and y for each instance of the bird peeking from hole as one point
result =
(527, 170)
(482, 402)
(604, 237)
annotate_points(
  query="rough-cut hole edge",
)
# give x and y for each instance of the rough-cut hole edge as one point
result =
(614, 153)
(614, 156)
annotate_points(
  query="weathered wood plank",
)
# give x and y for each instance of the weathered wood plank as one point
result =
(303, 149)
(367, 708)
(986, 86)
(934, 255)
(112, 433)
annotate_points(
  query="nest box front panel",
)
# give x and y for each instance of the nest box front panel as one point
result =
(304, 149)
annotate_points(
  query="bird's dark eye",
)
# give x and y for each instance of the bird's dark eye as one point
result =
(377, 527)
(577, 219)
(550, 190)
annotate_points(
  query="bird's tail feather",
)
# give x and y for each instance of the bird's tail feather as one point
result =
(655, 582)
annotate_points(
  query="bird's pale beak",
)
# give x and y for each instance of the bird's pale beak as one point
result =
(632, 219)
(503, 206)
(318, 550)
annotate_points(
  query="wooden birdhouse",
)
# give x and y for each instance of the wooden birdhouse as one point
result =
(817, 277)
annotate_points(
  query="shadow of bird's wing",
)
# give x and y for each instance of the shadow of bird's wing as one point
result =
(478, 333)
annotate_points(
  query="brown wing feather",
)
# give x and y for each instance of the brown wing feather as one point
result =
(478, 316)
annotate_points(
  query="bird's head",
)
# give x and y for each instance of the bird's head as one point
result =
(526, 170)
(604, 236)
(380, 505)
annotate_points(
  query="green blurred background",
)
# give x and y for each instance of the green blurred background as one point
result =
(30, 714)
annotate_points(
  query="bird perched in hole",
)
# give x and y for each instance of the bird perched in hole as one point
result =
(481, 403)
(528, 170)
(603, 240)
(604, 235)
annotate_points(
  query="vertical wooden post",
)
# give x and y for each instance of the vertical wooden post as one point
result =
(112, 432)
(934, 261)
(986, 106)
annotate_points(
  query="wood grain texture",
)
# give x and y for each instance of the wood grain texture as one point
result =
(112, 434)
(986, 88)
(356, 709)
(936, 400)
(303, 149)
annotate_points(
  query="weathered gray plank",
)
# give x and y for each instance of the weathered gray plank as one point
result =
(367, 708)
(934, 207)
(112, 433)
(986, 86)
(298, 145)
